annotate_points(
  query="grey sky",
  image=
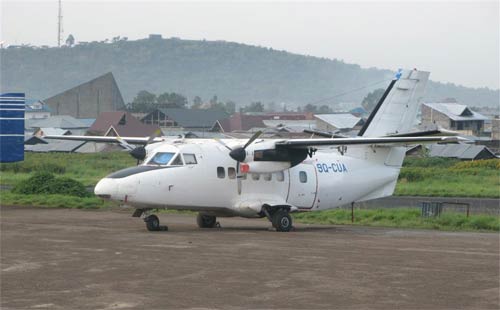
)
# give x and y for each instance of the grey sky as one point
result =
(457, 41)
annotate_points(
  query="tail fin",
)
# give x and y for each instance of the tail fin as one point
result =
(396, 111)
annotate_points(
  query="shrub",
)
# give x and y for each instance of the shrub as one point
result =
(46, 183)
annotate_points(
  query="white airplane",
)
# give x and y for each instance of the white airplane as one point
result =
(270, 178)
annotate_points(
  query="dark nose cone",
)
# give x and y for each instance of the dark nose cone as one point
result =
(238, 154)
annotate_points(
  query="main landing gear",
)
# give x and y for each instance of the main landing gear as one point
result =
(279, 217)
(206, 221)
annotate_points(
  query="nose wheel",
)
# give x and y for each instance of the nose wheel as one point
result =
(153, 223)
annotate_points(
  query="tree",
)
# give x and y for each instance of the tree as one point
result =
(310, 108)
(324, 109)
(171, 100)
(197, 102)
(230, 107)
(70, 41)
(371, 100)
(254, 107)
(271, 106)
(144, 102)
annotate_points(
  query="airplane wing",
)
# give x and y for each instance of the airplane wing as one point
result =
(305, 143)
(107, 139)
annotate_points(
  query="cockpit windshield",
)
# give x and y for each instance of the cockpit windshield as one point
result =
(161, 158)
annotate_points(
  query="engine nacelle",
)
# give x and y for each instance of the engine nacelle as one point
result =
(264, 166)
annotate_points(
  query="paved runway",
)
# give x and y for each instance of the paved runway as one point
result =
(72, 259)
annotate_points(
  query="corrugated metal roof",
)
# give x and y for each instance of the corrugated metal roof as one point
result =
(310, 124)
(194, 118)
(131, 127)
(49, 131)
(460, 151)
(456, 112)
(339, 121)
(57, 121)
(55, 146)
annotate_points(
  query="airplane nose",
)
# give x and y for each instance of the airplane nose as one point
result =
(106, 188)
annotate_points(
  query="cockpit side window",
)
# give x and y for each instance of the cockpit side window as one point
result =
(161, 158)
(190, 159)
(177, 161)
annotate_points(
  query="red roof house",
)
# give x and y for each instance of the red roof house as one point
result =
(122, 124)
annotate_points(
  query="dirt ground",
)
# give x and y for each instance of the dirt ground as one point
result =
(73, 259)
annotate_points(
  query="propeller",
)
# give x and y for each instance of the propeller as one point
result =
(239, 154)
(138, 152)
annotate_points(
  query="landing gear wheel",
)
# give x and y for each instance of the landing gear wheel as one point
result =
(206, 221)
(282, 221)
(153, 223)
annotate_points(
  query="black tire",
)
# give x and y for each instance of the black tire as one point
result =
(206, 221)
(282, 221)
(152, 223)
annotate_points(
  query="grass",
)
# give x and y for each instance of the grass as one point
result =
(449, 178)
(86, 168)
(402, 218)
(54, 201)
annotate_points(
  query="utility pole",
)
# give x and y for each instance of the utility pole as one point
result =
(59, 26)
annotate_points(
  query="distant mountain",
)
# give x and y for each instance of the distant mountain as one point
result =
(231, 71)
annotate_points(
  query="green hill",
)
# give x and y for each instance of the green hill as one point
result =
(232, 71)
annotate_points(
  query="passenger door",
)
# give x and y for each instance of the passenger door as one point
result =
(303, 186)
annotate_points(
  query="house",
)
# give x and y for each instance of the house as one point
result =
(50, 131)
(461, 151)
(36, 109)
(188, 119)
(89, 99)
(339, 121)
(32, 140)
(453, 116)
(245, 122)
(121, 124)
(76, 126)
(495, 129)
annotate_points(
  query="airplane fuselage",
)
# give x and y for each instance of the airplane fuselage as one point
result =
(208, 183)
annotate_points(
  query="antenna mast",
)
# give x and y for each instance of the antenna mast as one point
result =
(59, 26)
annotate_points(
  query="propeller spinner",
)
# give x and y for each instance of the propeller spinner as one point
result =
(239, 154)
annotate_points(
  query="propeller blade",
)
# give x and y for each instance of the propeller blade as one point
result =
(153, 136)
(223, 144)
(252, 139)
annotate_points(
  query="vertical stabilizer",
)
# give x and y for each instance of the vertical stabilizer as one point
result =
(397, 109)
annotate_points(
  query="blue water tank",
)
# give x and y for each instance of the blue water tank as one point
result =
(11, 127)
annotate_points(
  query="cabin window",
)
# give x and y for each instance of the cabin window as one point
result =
(303, 177)
(161, 158)
(255, 176)
(221, 173)
(231, 172)
(280, 176)
(177, 161)
(267, 176)
(190, 159)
